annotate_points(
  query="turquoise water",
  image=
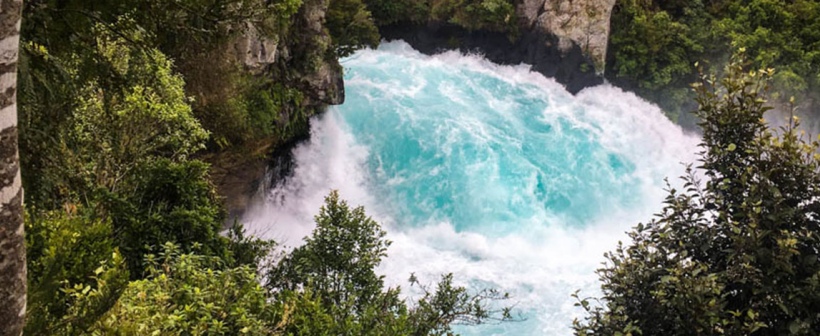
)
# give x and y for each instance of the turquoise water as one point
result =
(469, 147)
(492, 172)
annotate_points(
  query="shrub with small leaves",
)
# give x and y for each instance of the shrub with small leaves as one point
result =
(188, 294)
(737, 251)
(333, 286)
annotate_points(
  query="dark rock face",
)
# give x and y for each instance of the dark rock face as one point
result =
(282, 163)
(539, 49)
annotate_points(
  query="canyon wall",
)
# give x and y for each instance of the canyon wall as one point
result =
(581, 22)
(299, 60)
(561, 39)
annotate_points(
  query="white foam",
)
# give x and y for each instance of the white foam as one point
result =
(330, 160)
(540, 268)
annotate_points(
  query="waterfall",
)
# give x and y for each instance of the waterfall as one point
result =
(494, 173)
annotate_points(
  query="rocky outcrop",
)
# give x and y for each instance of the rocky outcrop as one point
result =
(254, 50)
(561, 39)
(581, 22)
(300, 59)
(569, 66)
(296, 61)
(309, 61)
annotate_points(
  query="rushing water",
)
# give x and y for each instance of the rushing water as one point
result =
(492, 172)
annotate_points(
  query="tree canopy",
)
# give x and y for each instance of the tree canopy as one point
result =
(654, 45)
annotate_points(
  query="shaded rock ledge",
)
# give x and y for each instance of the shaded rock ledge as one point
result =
(567, 63)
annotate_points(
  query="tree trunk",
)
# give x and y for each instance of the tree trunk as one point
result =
(12, 242)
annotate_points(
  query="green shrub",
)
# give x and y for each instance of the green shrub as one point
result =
(166, 201)
(351, 26)
(654, 44)
(488, 15)
(734, 252)
(387, 12)
(491, 15)
(334, 289)
(186, 294)
(66, 249)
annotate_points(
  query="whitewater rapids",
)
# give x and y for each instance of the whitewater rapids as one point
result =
(491, 172)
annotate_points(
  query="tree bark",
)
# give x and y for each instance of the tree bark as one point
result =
(12, 239)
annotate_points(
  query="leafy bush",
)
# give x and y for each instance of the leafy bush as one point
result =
(338, 259)
(333, 279)
(387, 12)
(68, 249)
(351, 26)
(735, 253)
(122, 106)
(491, 15)
(116, 128)
(654, 44)
(166, 201)
(190, 295)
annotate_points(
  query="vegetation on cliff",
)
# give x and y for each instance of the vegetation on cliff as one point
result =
(655, 44)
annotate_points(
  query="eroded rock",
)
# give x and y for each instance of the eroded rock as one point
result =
(254, 50)
(584, 22)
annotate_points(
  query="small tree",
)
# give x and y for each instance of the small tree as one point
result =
(329, 285)
(735, 253)
(339, 258)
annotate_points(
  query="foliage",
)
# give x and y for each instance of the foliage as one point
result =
(488, 15)
(653, 48)
(199, 35)
(736, 254)
(122, 144)
(116, 129)
(167, 202)
(491, 15)
(437, 311)
(327, 287)
(77, 274)
(387, 12)
(333, 277)
(90, 301)
(125, 107)
(247, 250)
(780, 34)
(654, 44)
(66, 250)
(339, 258)
(351, 26)
(190, 295)
(42, 125)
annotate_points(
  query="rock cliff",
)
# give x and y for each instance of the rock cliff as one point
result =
(581, 22)
(562, 39)
(298, 60)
